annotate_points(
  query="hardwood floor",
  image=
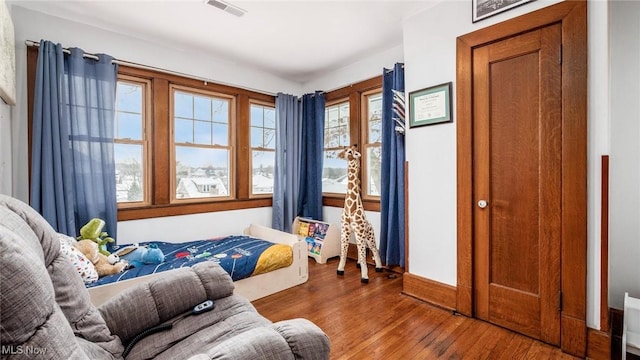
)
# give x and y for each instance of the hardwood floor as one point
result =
(375, 321)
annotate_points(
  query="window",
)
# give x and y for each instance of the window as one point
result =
(170, 129)
(130, 137)
(372, 143)
(353, 116)
(336, 139)
(202, 145)
(263, 146)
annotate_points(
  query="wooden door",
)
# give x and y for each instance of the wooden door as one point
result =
(517, 157)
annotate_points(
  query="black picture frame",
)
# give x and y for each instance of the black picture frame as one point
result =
(482, 9)
(430, 106)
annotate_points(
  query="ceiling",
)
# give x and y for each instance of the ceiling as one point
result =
(296, 40)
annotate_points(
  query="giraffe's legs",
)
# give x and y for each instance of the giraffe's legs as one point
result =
(362, 251)
(371, 242)
(345, 234)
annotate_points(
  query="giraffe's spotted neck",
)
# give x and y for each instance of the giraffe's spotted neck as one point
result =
(352, 199)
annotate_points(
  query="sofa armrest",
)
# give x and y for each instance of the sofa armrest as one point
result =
(176, 292)
(306, 340)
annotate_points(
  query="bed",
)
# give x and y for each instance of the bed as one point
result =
(252, 288)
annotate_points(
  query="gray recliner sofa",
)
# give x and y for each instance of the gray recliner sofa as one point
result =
(46, 312)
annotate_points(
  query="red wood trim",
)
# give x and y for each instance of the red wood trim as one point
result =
(604, 246)
(190, 208)
(598, 345)
(433, 292)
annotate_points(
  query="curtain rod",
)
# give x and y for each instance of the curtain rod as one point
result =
(153, 68)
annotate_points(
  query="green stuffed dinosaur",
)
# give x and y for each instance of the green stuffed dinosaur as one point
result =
(93, 231)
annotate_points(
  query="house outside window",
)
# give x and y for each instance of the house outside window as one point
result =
(263, 148)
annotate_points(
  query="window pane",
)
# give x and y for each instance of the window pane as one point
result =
(202, 108)
(201, 172)
(220, 110)
(257, 115)
(183, 105)
(202, 132)
(257, 137)
(331, 117)
(129, 97)
(270, 138)
(334, 173)
(374, 106)
(263, 164)
(128, 111)
(220, 134)
(128, 125)
(270, 117)
(344, 114)
(373, 178)
(129, 172)
(184, 131)
(336, 129)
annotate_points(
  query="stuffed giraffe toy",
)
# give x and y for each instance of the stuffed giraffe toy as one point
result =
(353, 217)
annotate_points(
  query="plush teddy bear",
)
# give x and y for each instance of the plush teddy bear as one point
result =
(137, 255)
(99, 260)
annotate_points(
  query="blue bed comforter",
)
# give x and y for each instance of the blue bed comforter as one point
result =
(238, 255)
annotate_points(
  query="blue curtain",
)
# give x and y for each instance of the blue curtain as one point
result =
(310, 199)
(392, 202)
(51, 191)
(75, 110)
(286, 188)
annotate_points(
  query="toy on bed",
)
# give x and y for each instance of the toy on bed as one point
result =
(93, 231)
(99, 260)
(138, 256)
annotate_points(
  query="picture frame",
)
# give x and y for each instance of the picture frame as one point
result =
(482, 9)
(430, 106)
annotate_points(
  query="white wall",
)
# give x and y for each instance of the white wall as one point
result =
(192, 227)
(624, 241)
(361, 70)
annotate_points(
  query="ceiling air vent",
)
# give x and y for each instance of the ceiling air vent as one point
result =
(223, 5)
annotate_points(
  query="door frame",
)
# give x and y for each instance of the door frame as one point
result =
(572, 15)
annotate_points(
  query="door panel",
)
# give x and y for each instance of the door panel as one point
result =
(517, 169)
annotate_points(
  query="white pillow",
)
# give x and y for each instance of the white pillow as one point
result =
(83, 266)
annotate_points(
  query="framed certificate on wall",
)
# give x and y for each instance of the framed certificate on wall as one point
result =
(430, 106)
